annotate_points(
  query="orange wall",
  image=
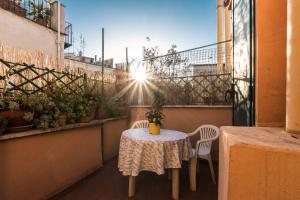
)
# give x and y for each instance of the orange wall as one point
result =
(112, 131)
(258, 163)
(188, 118)
(36, 167)
(271, 38)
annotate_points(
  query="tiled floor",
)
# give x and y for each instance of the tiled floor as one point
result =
(109, 184)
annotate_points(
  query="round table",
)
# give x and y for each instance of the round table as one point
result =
(142, 151)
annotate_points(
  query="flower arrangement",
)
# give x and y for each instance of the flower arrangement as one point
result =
(155, 115)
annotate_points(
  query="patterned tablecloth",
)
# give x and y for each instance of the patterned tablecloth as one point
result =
(141, 151)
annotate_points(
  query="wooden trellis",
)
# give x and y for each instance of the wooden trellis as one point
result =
(29, 79)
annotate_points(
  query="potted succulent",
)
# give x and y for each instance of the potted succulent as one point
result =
(155, 115)
(45, 110)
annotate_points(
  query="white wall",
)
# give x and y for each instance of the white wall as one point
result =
(22, 33)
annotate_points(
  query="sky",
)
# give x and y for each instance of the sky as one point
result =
(127, 23)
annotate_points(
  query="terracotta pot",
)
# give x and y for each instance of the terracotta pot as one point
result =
(91, 115)
(101, 114)
(18, 128)
(41, 21)
(122, 110)
(62, 120)
(15, 118)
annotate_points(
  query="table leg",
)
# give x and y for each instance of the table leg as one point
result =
(175, 183)
(192, 173)
(131, 186)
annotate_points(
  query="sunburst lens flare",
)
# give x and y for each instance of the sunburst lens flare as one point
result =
(140, 75)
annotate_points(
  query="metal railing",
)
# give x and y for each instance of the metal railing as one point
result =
(38, 11)
(69, 35)
(200, 75)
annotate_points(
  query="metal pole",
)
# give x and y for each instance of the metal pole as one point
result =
(102, 78)
(58, 34)
(127, 65)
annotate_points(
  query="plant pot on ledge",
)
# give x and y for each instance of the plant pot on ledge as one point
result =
(42, 21)
(90, 115)
(16, 121)
(154, 128)
(15, 118)
(62, 120)
(101, 113)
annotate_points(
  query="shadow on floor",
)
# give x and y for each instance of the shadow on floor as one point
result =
(109, 184)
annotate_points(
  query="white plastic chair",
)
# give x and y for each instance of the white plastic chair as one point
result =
(140, 124)
(207, 133)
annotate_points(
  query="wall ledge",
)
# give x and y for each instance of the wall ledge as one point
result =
(184, 106)
(34, 132)
(261, 137)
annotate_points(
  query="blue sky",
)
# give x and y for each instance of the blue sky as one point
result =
(186, 23)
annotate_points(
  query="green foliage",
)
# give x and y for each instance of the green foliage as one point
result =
(39, 11)
(108, 106)
(155, 115)
(13, 106)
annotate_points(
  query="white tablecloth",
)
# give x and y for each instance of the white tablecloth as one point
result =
(141, 151)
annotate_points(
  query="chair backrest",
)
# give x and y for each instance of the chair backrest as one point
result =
(140, 124)
(207, 133)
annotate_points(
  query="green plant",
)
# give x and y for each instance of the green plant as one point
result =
(28, 116)
(39, 11)
(155, 115)
(13, 106)
(44, 111)
(108, 106)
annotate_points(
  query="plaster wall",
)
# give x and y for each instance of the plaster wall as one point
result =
(39, 166)
(112, 131)
(258, 163)
(271, 42)
(22, 33)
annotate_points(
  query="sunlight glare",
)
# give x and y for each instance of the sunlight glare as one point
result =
(140, 74)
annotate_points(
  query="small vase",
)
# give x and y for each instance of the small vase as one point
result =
(154, 128)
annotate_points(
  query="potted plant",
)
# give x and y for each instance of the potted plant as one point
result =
(155, 115)
(61, 99)
(19, 117)
(45, 110)
(87, 103)
(40, 13)
(106, 108)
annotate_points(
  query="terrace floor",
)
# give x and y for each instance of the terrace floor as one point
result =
(109, 184)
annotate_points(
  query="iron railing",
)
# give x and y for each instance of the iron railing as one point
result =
(69, 35)
(38, 11)
(196, 76)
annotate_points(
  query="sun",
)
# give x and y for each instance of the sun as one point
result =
(140, 74)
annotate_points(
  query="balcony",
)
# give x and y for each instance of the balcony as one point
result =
(38, 11)
(68, 35)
